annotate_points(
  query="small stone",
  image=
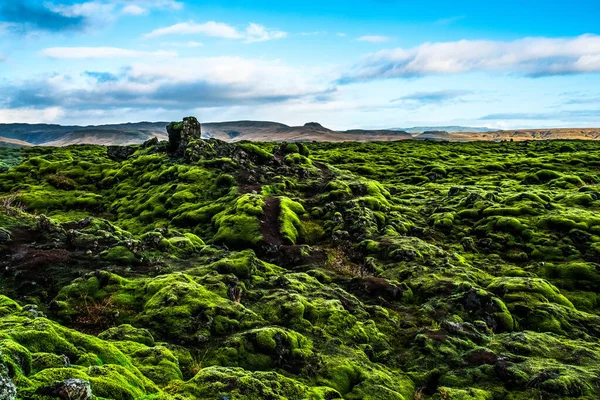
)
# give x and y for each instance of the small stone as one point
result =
(8, 390)
(73, 389)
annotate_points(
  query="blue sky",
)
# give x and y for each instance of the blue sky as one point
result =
(345, 64)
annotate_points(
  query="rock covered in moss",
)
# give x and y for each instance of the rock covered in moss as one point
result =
(236, 383)
(119, 153)
(127, 332)
(182, 133)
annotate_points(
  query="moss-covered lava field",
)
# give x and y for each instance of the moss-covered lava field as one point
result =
(199, 269)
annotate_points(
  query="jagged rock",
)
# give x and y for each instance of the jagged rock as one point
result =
(119, 153)
(8, 391)
(72, 389)
(181, 133)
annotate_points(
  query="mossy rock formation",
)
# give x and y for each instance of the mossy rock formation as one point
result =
(199, 269)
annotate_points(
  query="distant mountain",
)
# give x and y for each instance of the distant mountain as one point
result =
(7, 142)
(433, 135)
(61, 135)
(132, 133)
(449, 129)
(312, 131)
(16, 135)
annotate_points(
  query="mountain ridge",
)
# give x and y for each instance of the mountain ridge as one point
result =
(22, 134)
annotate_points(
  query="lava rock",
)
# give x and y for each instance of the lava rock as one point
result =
(72, 389)
(181, 133)
(150, 143)
(8, 390)
(119, 153)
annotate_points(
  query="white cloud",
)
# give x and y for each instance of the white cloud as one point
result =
(536, 56)
(314, 33)
(373, 39)
(249, 77)
(253, 33)
(101, 52)
(87, 9)
(258, 33)
(341, 34)
(211, 28)
(30, 115)
(161, 4)
(134, 9)
(189, 83)
(99, 12)
(189, 44)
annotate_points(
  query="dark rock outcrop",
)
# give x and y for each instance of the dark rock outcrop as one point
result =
(181, 133)
(119, 153)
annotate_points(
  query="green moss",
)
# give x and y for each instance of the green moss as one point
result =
(239, 225)
(297, 159)
(266, 348)
(243, 265)
(41, 361)
(236, 383)
(177, 304)
(467, 269)
(127, 332)
(255, 151)
(291, 227)
(464, 394)
(120, 254)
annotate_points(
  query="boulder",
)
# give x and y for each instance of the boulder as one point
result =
(72, 389)
(119, 153)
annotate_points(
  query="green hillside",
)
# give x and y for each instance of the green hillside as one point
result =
(200, 269)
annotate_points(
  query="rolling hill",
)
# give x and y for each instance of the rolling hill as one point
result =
(132, 133)
(15, 135)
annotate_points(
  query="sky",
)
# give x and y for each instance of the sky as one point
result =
(345, 64)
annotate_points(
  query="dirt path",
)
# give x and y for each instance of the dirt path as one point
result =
(269, 224)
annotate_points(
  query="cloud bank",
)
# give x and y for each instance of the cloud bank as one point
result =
(435, 97)
(190, 83)
(252, 33)
(533, 57)
(565, 115)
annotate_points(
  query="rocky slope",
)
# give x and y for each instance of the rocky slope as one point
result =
(200, 269)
